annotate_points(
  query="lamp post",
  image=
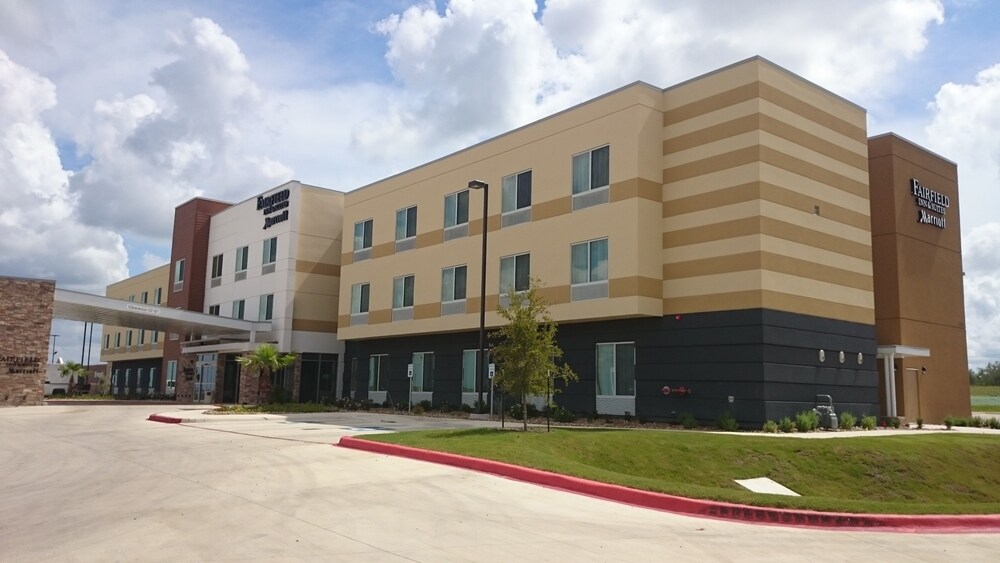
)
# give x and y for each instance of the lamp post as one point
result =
(479, 185)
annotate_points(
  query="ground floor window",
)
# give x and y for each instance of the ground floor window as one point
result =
(378, 372)
(318, 377)
(470, 363)
(171, 374)
(423, 372)
(616, 369)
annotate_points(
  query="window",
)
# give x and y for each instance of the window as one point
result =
(363, 234)
(378, 372)
(453, 283)
(616, 369)
(270, 250)
(591, 170)
(145, 297)
(128, 338)
(242, 259)
(118, 340)
(360, 293)
(423, 372)
(470, 365)
(131, 298)
(402, 292)
(516, 199)
(152, 379)
(239, 308)
(217, 266)
(179, 275)
(589, 271)
(456, 209)
(515, 273)
(266, 307)
(154, 337)
(142, 337)
(158, 296)
(171, 374)
(406, 228)
(213, 310)
(107, 341)
(591, 178)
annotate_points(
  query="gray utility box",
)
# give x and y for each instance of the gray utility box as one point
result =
(827, 414)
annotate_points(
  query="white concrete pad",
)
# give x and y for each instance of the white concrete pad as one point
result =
(765, 485)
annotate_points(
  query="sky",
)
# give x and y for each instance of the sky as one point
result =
(114, 112)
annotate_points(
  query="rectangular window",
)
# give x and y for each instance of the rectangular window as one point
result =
(470, 365)
(378, 372)
(145, 297)
(590, 261)
(239, 308)
(142, 337)
(242, 258)
(363, 234)
(179, 275)
(515, 273)
(107, 341)
(154, 336)
(158, 296)
(402, 292)
(591, 170)
(217, 266)
(128, 338)
(118, 340)
(456, 209)
(423, 372)
(360, 293)
(516, 192)
(453, 284)
(616, 369)
(266, 307)
(131, 298)
(270, 250)
(406, 223)
(153, 383)
(213, 310)
(171, 374)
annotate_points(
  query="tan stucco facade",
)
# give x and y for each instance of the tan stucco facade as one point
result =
(141, 289)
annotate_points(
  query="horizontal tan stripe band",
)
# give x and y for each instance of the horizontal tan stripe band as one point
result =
(314, 326)
(321, 268)
(770, 300)
(767, 261)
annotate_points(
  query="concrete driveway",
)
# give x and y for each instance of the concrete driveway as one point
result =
(100, 483)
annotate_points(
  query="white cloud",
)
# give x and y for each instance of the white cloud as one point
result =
(154, 150)
(150, 261)
(981, 254)
(40, 232)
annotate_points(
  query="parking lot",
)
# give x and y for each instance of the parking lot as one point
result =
(101, 483)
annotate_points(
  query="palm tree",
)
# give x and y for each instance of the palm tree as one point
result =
(75, 371)
(266, 360)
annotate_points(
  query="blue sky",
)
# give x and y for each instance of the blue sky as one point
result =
(114, 112)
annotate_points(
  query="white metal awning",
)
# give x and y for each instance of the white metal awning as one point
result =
(76, 306)
(889, 353)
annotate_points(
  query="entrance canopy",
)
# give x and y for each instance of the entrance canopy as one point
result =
(889, 353)
(76, 306)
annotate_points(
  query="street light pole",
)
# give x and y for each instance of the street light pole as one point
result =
(479, 185)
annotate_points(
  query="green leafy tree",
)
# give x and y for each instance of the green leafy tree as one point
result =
(266, 360)
(525, 348)
(987, 375)
(74, 371)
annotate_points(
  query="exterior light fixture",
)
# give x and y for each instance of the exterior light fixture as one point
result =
(480, 368)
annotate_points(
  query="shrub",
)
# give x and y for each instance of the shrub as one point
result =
(920, 422)
(533, 411)
(893, 421)
(592, 416)
(426, 405)
(516, 411)
(402, 406)
(847, 421)
(806, 421)
(868, 422)
(771, 427)
(949, 421)
(977, 422)
(560, 414)
(481, 406)
(994, 423)
(785, 425)
(727, 423)
(687, 420)
(418, 409)
(444, 407)
(465, 408)
(628, 416)
(644, 420)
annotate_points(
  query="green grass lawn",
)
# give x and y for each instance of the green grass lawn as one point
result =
(941, 473)
(985, 398)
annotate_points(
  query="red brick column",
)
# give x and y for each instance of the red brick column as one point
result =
(25, 326)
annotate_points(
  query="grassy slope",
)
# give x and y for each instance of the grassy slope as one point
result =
(907, 474)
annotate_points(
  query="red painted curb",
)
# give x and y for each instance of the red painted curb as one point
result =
(924, 523)
(164, 419)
